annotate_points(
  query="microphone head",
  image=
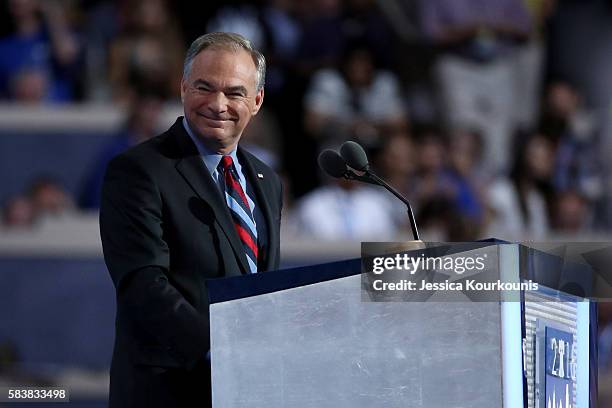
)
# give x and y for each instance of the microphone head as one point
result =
(332, 164)
(354, 155)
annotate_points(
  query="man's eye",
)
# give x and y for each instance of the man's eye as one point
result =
(235, 95)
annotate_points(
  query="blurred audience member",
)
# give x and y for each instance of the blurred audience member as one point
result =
(475, 71)
(518, 205)
(439, 222)
(357, 101)
(148, 52)
(395, 161)
(102, 27)
(322, 42)
(572, 130)
(263, 138)
(29, 86)
(445, 188)
(563, 113)
(330, 26)
(45, 198)
(346, 210)
(40, 52)
(570, 213)
(529, 64)
(244, 19)
(140, 125)
(49, 198)
(465, 153)
(18, 213)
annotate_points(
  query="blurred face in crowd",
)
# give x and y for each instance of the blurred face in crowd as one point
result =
(144, 119)
(539, 158)
(19, 212)
(464, 151)
(431, 154)
(29, 86)
(398, 156)
(571, 210)
(359, 69)
(151, 15)
(23, 8)
(220, 96)
(49, 198)
(562, 100)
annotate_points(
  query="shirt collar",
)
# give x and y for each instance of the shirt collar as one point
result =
(211, 159)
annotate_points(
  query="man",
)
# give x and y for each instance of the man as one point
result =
(181, 208)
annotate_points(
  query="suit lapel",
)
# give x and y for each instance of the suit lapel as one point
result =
(193, 170)
(262, 192)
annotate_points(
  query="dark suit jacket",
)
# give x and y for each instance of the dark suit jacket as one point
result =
(165, 229)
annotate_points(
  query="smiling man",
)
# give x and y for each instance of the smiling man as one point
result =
(187, 206)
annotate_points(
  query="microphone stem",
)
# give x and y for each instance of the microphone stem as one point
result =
(383, 183)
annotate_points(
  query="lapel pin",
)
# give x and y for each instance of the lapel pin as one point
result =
(260, 175)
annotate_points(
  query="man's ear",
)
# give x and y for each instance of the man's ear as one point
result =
(258, 101)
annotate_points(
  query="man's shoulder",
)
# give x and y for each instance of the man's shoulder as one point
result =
(154, 152)
(259, 166)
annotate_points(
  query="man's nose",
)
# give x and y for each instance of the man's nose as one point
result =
(217, 102)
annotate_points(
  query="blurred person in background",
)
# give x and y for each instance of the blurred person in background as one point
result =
(395, 161)
(344, 210)
(49, 199)
(103, 19)
(330, 26)
(571, 213)
(29, 86)
(356, 101)
(18, 213)
(465, 151)
(44, 199)
(574, 133)
(443, 187)
(141, 124)
(475, 71)
(40, 51)
(517, 204)
(148, 50)
(529, 63)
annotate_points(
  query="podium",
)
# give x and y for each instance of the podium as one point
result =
(307, 337)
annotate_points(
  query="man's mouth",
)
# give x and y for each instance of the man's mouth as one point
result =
(211, 117)
(214, 121)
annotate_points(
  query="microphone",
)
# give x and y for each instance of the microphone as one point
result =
(354, 155)
(334, 165)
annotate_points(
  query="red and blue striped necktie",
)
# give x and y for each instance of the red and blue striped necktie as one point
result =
(241, 212)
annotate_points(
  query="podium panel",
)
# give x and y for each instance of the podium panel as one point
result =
(320, 346)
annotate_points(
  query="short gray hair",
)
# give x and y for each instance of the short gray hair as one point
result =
(230, 41)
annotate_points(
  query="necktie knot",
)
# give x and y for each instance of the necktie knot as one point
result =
(226, 163)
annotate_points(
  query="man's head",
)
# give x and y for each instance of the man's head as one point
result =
(222, 88)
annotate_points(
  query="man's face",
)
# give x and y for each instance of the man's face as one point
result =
(220, 97)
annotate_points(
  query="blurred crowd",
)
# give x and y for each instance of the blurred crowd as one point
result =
(467, 107)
